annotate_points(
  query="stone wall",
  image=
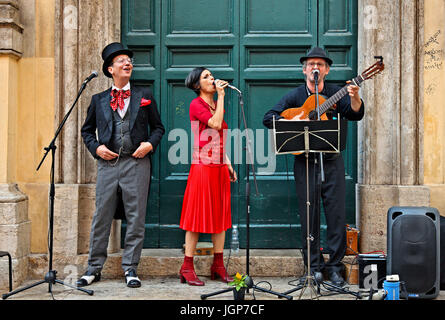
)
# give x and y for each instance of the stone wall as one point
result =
(15, 233)
(15, 228)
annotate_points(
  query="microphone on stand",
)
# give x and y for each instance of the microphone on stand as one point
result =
(229, 86)
(93, 75)
(316, 72)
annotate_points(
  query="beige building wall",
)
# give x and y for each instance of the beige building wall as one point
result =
(434, 102)
(29, 79)
(8, 121)
(45, 53)
(14, 223)
(36, 113)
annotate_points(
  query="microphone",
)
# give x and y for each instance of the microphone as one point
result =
(316, 72)
(229, 86)
(91, 77)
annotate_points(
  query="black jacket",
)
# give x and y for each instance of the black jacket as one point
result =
(145, 122)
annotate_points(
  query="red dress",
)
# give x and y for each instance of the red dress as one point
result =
(206, 205)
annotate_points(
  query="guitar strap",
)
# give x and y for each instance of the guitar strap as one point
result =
(309, 92)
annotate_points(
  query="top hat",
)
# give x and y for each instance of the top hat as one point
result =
(109, 52)
(317, 52)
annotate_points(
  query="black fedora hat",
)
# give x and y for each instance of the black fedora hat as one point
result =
(109, 52)
(317, 52)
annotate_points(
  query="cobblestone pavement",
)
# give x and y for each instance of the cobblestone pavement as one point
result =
(170, 288)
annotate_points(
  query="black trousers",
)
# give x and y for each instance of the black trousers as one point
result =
(332, 194)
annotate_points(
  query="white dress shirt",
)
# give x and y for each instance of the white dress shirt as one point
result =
(127, 101)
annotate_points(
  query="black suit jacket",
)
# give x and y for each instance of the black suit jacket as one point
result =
(145, 122)
(145, 125)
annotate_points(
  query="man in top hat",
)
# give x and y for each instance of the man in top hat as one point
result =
(332, 190)
(129, 129)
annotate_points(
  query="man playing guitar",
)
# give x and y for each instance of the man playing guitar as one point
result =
(297, 105)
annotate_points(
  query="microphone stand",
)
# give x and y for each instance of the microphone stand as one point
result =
(318, 118)
(51, 275)
(319, 181)
(249, 159)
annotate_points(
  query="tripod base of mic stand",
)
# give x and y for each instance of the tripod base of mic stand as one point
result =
(308, 284)
(279, 295)
(338, 289)
(205, 296)
(250, 286)
(51, 279)
(326, 285)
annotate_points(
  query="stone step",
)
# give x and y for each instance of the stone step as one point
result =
(167, 262)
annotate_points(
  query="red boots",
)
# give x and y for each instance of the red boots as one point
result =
(218, 270)
(187, 272)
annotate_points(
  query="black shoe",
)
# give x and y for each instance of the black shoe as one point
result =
(336, 278)
(318, 276)
(131, 278)
(88, 278)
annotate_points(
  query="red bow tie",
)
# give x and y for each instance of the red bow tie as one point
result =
(118, 97)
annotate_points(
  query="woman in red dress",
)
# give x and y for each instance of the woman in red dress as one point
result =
(206, 204)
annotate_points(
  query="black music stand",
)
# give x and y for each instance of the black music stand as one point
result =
(297, 137)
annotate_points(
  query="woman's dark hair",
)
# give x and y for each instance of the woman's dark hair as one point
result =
(192, 80)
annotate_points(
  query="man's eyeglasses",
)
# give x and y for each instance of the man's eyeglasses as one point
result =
(124, 60)
(314, 64)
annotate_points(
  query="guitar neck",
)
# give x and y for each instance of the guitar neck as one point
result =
(338, 95)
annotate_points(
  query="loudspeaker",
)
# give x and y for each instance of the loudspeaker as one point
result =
(414, 250)
(442, 253)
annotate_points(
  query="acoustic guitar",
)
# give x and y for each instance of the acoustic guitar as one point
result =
(308, 111)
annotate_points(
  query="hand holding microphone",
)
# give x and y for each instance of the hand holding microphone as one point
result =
(220, 85)
(226, 85)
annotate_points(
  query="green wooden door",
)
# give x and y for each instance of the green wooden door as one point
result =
(256, 45)
(141, 31)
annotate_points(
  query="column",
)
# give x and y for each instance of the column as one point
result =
(15, 228)
(390, 167)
